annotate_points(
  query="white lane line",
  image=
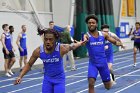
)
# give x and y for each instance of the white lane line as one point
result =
(127, 87)
(67, 85)
(116, 79)
(126, 57)
(129, 75)
(24, 88)
(24, 76)
(66, 71)
(79, 68)
(98, 75)
(70, 75)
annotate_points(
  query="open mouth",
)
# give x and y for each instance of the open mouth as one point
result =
(47, 45)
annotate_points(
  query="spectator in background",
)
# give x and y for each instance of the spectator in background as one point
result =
(8, 51)
(67, 39)
(51, 24)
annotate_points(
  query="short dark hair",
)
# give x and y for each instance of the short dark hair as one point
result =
(10, 27)
(51, 22)
(91, 16)
(104, 26)
(137, 23)
(4, 25)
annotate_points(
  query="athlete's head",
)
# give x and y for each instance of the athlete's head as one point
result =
(105, 28)
(11, 29)
(137, 24)
(51, 24)
(68, 28)
(5, 27)
(92, 22)
(23, 27)
(50, 38)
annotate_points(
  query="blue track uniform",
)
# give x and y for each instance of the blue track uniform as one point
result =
(9, 47)
(54, 77)
(23, 45)
(8, 41)
(109, 51)
(97, 58)
(137, 40)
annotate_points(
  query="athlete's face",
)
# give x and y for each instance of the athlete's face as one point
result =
(49, 41)
(137, 26)
(24, 28)
(6, 28)
(106, 30)
(92, 25)
(51, 25)
(12, 29)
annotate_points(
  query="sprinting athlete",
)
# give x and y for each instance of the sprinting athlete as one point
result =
(51, 54)
(109, 49)
(136, 38)
(97, 58)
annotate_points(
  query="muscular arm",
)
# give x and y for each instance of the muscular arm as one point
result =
(65, 48)
(33, 58)
(3, 41)
(115, 37)
(110, 39)
(18, 41)
(86, 37)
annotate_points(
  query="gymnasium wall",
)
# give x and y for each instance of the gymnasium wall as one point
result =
(17, 19)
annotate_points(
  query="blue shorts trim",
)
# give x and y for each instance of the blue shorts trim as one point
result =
(50, 86)
(103, 70)
(109, 58)
(23, 53)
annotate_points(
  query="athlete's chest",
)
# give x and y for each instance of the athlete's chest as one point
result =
(96, 41)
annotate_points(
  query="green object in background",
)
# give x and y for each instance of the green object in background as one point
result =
(81, 8)
(104, 11)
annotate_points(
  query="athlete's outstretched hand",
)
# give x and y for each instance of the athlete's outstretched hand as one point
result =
(17, 81)
(82, 42)
(124, 47)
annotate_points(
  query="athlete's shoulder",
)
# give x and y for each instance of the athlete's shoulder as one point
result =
(20, 34)
(36, 52)
(3, 35)
(103, 33)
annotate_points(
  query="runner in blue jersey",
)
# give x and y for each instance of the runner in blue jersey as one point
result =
(51, 54)
(136, 34)
(97, 58)
(8, 50)
(109, 49)
(21, 43)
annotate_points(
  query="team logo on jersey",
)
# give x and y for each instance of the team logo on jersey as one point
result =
(96, 43)
(51, 60)
(24, 37)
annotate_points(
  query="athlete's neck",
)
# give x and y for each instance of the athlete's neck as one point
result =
(49, 51)
(6, 31)
(137, 29)
(95, 33)
(22, 32)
